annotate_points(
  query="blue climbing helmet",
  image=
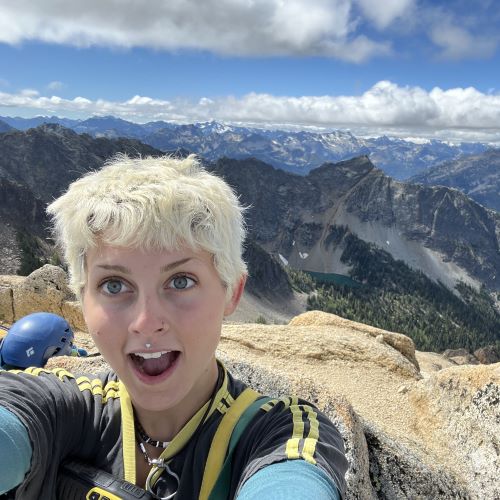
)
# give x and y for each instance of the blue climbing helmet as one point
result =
(35, 338)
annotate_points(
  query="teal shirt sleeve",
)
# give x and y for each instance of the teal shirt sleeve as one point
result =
(289, 479)
(15, 451)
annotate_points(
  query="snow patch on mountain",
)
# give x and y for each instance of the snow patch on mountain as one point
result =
(413, 253)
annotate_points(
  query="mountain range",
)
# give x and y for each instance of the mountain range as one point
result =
(437, 230)
(35, 167)
(47, 158)
(4, 127)
(346, 219)
(478, 176)
(293, 151)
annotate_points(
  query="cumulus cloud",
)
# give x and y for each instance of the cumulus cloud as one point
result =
(29, 93)
(460, 30)
(229, 27)
(384, 12)
(328, 28)
(457, 43)
(453, 113)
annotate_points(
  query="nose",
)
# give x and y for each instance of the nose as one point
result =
(149, 317)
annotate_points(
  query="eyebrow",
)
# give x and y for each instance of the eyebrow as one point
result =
(126, 270)
(173, 265)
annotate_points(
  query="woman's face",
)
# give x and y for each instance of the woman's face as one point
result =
(156, 317)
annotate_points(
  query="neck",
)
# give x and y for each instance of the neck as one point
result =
(164, 425)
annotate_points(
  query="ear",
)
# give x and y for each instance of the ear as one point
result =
(234, 300)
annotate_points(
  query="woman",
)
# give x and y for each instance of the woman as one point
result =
(153, 248)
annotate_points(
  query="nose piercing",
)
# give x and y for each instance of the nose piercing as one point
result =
(148, 345)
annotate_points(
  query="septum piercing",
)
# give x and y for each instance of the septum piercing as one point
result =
(148, 345)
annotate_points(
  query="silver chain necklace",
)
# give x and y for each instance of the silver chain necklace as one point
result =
(156, 462)
(142, 438)
(141, 433)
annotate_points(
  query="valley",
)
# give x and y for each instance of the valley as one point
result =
(420, 259)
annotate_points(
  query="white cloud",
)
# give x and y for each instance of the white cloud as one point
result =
(55, 85)
(457, 43)
(384, 12)
(456, 114)
(29, 93)
(329, 28)
(229, 27)
(461, 30)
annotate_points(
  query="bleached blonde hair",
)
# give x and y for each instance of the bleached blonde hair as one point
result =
(152, 204)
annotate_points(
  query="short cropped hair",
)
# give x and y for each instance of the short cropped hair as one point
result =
(153, 204)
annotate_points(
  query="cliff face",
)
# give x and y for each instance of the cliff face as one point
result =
(414, 424)
(36, 166)
(4, 127)
(20, 211)
(477, 176)
(266, 277)
(435, 229)
(20, 207)
(48, 158)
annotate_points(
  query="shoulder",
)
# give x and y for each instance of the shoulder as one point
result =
(289, 428)
(292, 479)
(300, 425)
(60, 383)
(53, 374)
(289, 418)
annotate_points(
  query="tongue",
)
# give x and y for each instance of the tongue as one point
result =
(155, 366)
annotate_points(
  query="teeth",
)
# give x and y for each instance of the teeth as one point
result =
(150, 355)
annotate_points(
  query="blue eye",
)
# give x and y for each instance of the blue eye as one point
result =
(113, 287)
(181, 282)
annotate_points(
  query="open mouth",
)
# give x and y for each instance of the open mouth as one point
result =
(154, 363)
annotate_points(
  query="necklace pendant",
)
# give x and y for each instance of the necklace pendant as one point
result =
(157, 462)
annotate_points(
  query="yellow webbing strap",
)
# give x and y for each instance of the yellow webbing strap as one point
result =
(128, 434)
(220, 441)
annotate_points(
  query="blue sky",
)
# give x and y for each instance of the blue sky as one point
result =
(402, 67)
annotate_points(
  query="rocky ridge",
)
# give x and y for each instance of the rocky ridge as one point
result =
(48, 158)
(437, 230)
(296, 151)
(4, 127)
(477, 176)
(415, 425)
(20, 210)
(36, 166)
